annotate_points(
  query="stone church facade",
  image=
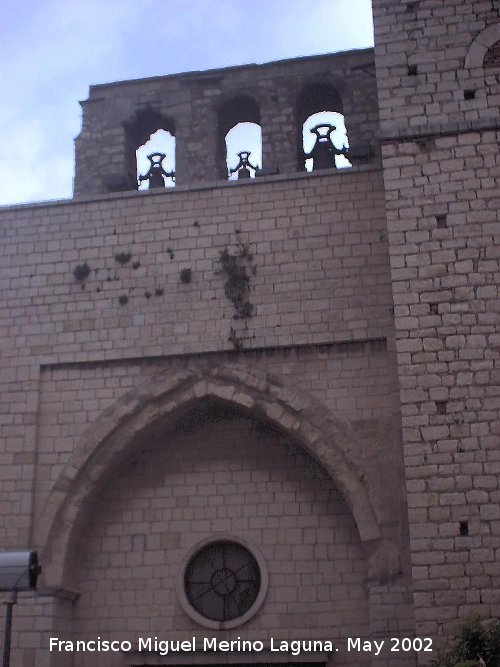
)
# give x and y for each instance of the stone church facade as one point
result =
(266, 408)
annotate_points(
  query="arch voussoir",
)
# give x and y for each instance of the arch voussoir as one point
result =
(480, 45)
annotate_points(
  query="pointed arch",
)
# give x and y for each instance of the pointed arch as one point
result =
(318, 97)
(164, 401)
(234, 111)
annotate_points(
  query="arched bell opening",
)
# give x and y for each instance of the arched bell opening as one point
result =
(239, 138)
(325, 127)
(158, 150)
(243, 163)
(150, 138)
(322, 141)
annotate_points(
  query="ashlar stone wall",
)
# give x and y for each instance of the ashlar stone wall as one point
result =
(440, 131)
(76, 348)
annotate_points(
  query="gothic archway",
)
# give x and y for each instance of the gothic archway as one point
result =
(166, 399)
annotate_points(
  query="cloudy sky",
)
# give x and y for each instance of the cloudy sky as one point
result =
(52, 50)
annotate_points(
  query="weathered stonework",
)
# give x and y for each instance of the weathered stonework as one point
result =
(352, 435)
(440, 157)
(197, 106)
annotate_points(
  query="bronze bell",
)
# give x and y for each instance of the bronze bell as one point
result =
(323, 152)
(156, 174)
(244, 165)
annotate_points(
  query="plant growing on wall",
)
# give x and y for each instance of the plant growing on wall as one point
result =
(237, 269)
(123, 257)
(236, 340)
(474, 642)
(81, 271)
(185, 276)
